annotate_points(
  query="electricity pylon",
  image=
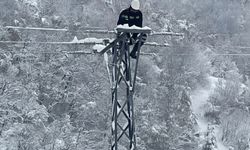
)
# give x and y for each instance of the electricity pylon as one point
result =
(123, 87)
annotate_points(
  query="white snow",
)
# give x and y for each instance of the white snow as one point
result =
(75, 40)
(118, 109)
(113, 125)
(132, 148)
(92, 104)
(218, 135)
(31, 2)
(126, 26)
(184, 24)
(199, 100)
(167, 33)
(152, 43)
(155, 128)
(91, 40)
(99, 47)
(60, 144)
(156, 44)
(34, 28)
(106, 59)
(16, 22)
(157, 69)
(45, 21)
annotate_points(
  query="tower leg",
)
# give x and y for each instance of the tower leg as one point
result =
(114, 144)
(123, 122)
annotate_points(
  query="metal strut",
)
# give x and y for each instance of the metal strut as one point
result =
(123, 86)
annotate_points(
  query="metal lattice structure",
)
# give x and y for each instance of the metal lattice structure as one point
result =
(123, 87)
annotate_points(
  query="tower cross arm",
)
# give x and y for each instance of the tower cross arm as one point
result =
(113, 43)
(133, 29)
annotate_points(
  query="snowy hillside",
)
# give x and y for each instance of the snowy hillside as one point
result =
(192, 88)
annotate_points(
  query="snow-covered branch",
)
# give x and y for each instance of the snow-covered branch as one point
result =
(35, 28)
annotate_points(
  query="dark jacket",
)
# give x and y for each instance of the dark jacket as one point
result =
(131, 17)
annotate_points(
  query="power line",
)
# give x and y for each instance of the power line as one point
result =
(101, 30)
(95, 42)
(213, 54)
(167, 33)
(51, 29)
(97, 30)
(220, 33)
(142, 53)
(110, 32)
(35, 28)
(233, 47)
(76, 43)
(53, 43)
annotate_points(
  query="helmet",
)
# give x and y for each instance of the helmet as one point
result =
(135, 4)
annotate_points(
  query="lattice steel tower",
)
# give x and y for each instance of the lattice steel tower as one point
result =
(123, 87)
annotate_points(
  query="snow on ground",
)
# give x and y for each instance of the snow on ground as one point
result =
(218, 136)
(199, 99)
(157, 70)
(31, 2)
(91, 104)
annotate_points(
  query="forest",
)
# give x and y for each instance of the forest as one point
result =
(192, 95)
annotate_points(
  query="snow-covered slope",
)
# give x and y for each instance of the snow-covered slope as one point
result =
(199, 99)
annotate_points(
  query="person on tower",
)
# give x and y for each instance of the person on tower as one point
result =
(133, 16)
